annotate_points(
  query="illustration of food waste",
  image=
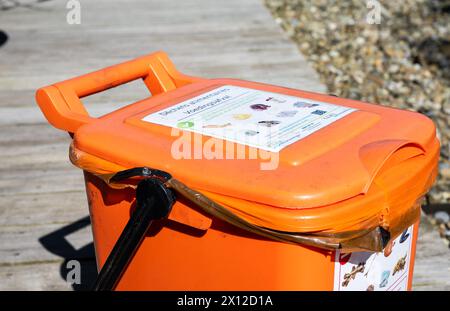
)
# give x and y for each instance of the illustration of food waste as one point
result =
(251, 117)
(387, 270)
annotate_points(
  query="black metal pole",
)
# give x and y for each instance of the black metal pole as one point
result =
(153, 201)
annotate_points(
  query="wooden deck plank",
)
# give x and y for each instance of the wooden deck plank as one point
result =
(31, 276)
(29, 244)
(432, 267)
(37, 209)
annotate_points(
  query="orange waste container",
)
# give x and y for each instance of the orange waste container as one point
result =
(321, 169)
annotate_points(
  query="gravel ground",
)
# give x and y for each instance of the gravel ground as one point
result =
(404, 61)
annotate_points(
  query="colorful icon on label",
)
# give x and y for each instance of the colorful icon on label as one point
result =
(259, 107)
(216, 126)
(348, 277)
(277, 100)
(185, 124)
(384, 278)
(344, 258)
(269, 123)
(304, 105)
(285, 114)
(400, 265)
(404, 236)
(242, 116)
(319, 112)
(251, 133)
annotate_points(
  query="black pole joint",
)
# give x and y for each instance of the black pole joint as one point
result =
(153, 201)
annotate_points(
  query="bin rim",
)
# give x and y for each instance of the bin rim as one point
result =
(363, 169)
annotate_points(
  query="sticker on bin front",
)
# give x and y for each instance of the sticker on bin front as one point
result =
(265, 120)
(384, 271)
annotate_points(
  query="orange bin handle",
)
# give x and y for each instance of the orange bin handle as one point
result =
(61, 104)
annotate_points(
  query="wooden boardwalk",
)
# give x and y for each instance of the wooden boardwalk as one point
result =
(43, 209)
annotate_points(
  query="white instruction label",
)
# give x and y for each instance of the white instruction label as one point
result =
(265, 120)
(385, 271)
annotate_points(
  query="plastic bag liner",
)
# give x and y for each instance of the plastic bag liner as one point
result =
(374, 234)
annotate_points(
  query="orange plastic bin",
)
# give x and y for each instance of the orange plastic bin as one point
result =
(341, 181)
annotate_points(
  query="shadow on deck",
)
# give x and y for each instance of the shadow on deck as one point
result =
(57, 244)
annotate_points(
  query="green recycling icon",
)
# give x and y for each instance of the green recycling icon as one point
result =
(185, 124)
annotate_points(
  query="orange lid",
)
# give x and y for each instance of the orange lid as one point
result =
(332, 153)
